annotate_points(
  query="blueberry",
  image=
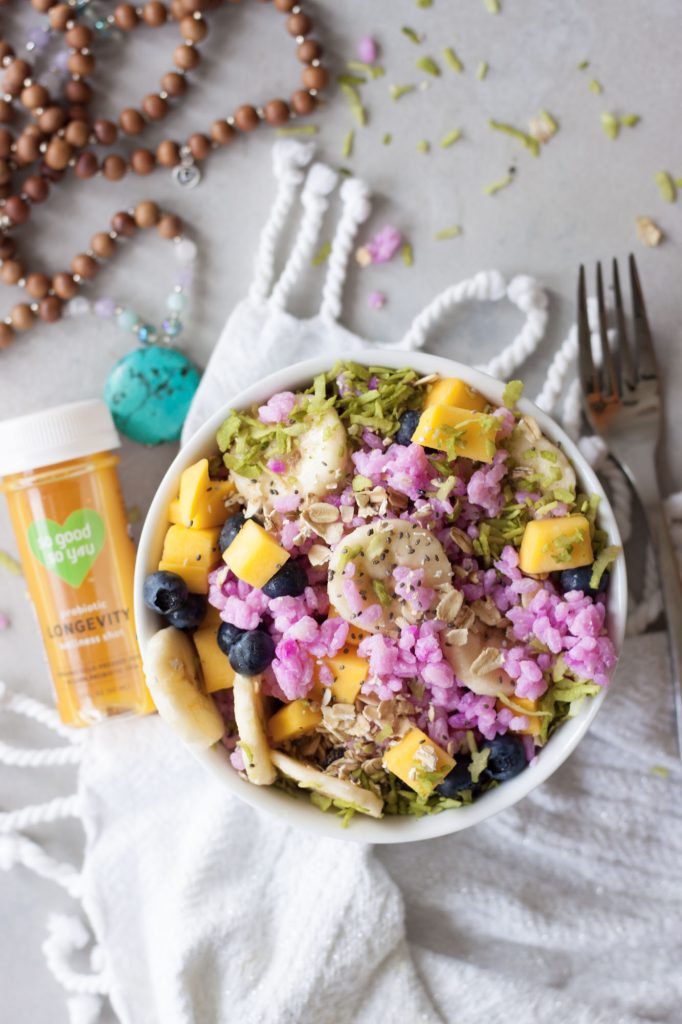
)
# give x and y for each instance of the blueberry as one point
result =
(190, 614)
(507, 757)
(164, 592)
(408, 425)
(231, 528)
(228, 635)
(579, 579)
(457, 779)
(252, 652)
(289, 581)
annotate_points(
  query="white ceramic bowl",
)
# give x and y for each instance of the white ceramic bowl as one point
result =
(299, 811)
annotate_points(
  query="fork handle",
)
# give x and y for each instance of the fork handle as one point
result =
(672, 599)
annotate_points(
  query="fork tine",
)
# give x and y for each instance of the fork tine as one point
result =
(588, 373)
(624, 352)
(645, 358)
(609, 375)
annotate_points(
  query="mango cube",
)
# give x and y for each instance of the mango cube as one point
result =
(191, 554)
(549, 545)
(174, 511)
(349, 671)
(296, 719)
(201, 503)
(453, 391)
(460, 432)
(253, 555)
(414, 758)
(215, 666)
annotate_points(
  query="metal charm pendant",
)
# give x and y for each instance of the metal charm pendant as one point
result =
(186, 174)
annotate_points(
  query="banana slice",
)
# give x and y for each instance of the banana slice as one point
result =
(534, 455)
(318, 464)
(172, 676)
(473, 663)
(248, 714)
(328, 785)
(375, 550)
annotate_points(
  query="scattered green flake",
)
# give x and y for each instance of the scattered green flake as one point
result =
(397, 91)
(531, 144)
(345, 172)
(482, 69)
(347, 148)
(299, 129)
(583, 65)
(445, 233)
(428, 65)
(379, 588)
(423, 146)
(372, 70)
(601, 563)
(630, 120)
(479, 761)
(9, 563)
(610, 125)
(451, 138)
(407, 254)
(497, 186)
(678, 182)
(322, 254)
(492, 6)
(361, 483)
(351, 79)
(413, 36)
(596, 87)
(666, 186)
(424, 3)
(387, 139)
(513, 390)
(452, 60)
(660, 770)
(355, 103)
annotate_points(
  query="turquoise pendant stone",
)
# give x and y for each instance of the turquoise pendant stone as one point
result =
(149, 393)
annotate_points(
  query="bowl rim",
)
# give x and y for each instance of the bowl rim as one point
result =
(300, 812)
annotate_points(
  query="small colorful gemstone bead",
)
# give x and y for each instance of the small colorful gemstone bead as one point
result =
(105, 307)
(147, 334)
(172, 326)
(77, 307)
(127, 319)
(185, 251)
(176, 302)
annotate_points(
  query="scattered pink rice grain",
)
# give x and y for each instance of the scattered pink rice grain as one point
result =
(277, 409)
(368, 50)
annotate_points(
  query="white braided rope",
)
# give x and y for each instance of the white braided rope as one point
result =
(20, 850)
(527, 295)
(19, 704)
(320, 183)
(40, 814)
(66, 935)
(40, 758)
(557, 374)
(486, 286)
(355, 210)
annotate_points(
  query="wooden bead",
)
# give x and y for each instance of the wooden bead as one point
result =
(6, 335)
(103, 245)
(11, 272)
(315, 78)
(6, 141)
(81, 64)
(8, 247)
(36, 188)
(276, 112)
(42, 6)
(285, 5)
(186, 57)
(177, 10)
(34, 96)
(79, 37)
(123, 224)
(168, 153)
(147, 214)
(13, 78)
(59, 152)
(86, 165)
(193, 29)
(64, 285)
(5, 50)
(78, 112)
(51, 120)
(302, 102)
(37, 285)
(174, 84)
(6, 112)
(23, 317)
(308, 51)
(77, 134)
(199, 145)
(52, 175)
(125, 17)
(154, 13)
(131, 121)
(60, 15)
(50, 309)
(142, 161)
(154, 107)
(17, 209)
(84, 265)
(77, 91)
(222, 132)
(246, 118)
(299, 25)
(169, 226)
(105, 131)
(114, 167)
(5, 172)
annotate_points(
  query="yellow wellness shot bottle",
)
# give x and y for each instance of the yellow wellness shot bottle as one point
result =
(59, 477)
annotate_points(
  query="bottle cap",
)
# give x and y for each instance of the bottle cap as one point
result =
(56, 435)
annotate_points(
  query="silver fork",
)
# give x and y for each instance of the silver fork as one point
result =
(622, 400)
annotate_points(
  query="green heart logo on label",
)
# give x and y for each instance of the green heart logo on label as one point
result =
(69, 549)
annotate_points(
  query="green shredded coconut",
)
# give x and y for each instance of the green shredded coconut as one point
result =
(596, 87)
(610, 125)
(630, 120)
(428, 65)
(445, 233)
(299, 129)
(568, 497)
(666, 186)
(413, 36)
(563, 546)
(452, 60)
(531, 144)
(660, 770)
(482, 70)
(347, 148)
(492, 6)
(601, 563)
(497, 186)
(384, 733)
(355, 103)
(351, 79)
(407, 254)
(361, 483)
(423, 146)
(584, 64)
(424, 3)
(373, 70)
(397, 91)
(10, 564)
(387, 139)
(512, 393)
(451, 138)
(322, 254)
(379, 588)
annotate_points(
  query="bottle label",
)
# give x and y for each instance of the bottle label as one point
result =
(68, 549)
